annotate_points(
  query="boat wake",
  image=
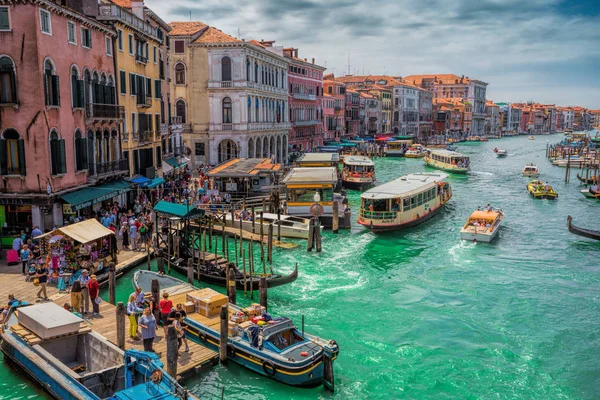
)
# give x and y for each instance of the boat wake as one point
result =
(459, 248)
(362, 281)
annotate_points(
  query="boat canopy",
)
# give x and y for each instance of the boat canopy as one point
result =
(177, 210)
(405, 185)
(358, 160)
(316, 175)
(485, 215)
(448, 153)
(319, 157)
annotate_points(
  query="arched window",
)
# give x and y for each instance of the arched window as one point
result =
(248, 70)
(180, 110)
(179, 74)
(8, 81)
(396, 116)
(51, 84)
(95, 88)
(12, 153)
(110, 91)
(226, 69)
(227, 110)
(81, 160)
(77, 87)
(57, 154)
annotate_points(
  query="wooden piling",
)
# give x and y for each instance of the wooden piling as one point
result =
(231, 288)
(335, 222)
(244, 264)
(223, 237)
(262, 287)
(253, 220)
(251, 266)
(264, 206)
(112, 284)
(190, 271)
(224, 317)
(148, 254)
(120, 314)
(262, 235)
(317, 236)
(237, 255)
(311, 236)
(279, 223)
(270, 243)
(172, 351)
(160, 262)
(155, 294)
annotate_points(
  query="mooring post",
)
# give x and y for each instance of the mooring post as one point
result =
(120, 312)
(262, 235)
(231, 288)
(223, 237)
(112, 284)
(335, 222)
(262, 286)
(155, 294)
(317, 235)
(270, 243)
(244, 263)
(224, 334)
(172, 351)
(148, 254)
(160, 262)
(190, 271)
(253, 220)
(311, 235)
(279, 223)
(251, 266)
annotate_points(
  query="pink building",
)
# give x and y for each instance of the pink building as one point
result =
(305, 83)
(58, 118)
(352, 113)
(329, 118)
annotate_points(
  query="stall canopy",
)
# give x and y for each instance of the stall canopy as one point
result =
(155, 182)
(141, 181)
(92, 195)
(82, 232)
(177, 162)
(177, 210)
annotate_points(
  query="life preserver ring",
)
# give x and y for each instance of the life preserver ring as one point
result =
(316, 210)
(270, 373)
(202, 337)
(230, 350)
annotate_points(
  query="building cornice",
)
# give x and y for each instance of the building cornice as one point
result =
(157, 19)
(243, 45)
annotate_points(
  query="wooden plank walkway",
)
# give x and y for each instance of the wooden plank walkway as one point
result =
(197, 358)
(232, 231)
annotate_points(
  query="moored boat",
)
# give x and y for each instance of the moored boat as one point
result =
(531, 170)
(449, 161)
(531, 137)
(588, 233)
(289, 226)
(396, 148)
(482, 226)
(540, 190)
(71, 362)
(270, 346)
(416, 151)
(588, 181)
(500, 152)
(358, 172)
(404, 202)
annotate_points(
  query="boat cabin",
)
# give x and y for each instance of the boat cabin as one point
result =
(243, 177)
(397, 147)
(450, 161)
(358, 165)
(319, 160)
(482, 218)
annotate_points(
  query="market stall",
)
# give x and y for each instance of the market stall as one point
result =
(84, 245)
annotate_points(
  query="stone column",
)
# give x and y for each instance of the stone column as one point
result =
(57, 214)
(37, 218)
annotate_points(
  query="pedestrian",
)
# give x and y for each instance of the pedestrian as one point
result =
(165, 306)
(35, 233)
(23, 237)
(41, 274)
(85, 297)
(17, 246)
(125, 235)
(177, 324)
(140, 298)
(173, 316)
(133, 311)
(25, 256)
(148, 325)
(133, 232)
(94, 289)
(76, 296)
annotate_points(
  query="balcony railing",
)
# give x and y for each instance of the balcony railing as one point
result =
(145, 137)
(141, 59)
(304, 96)
(108, 12)
(178, 150)
(108, 168)
(252, 126)
(306, 123)
(144, 101)
(245, 84)
(106, 112)
(337, 108)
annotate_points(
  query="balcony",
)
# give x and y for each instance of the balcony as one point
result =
(303, 96)
(109, 168)
(252, 126)
(176, 122)
(337, 108)
(141, 59)
(143, 137)
(246, 85)
(111, 12)
(309, 122)
(144, 101)
(105, 112)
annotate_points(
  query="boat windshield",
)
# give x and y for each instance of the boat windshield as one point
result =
(306, 195)
(286, 338)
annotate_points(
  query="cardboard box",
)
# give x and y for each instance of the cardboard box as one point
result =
(207, 301)
(237, 319)
(233, 329)
(245, 325)
(189, 307)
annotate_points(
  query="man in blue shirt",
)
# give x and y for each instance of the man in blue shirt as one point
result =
(105, 220)
(36, 232)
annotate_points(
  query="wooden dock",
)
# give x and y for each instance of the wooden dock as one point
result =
(232, 231)
(196, 359)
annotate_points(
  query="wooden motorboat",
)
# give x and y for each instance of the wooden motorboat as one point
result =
(291, 226)
(448, 161)
(587, 181)
(73, 362)
(358, 172)
(531, 170)
(482, 226)
(588, 233)
(500, 152)
(416, 151)
(540, 190)
(285, 353)
(531, 137)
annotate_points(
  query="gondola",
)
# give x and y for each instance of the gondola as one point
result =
(588, 233)
(214, 275)
(587, 181)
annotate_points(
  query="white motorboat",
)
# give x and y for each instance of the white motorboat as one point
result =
(291, 226)
(531, 170)
(500, 152)
(482, 226)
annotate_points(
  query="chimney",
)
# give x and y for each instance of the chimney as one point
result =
(313, 60)
(296, 53)
(304, 59)
(137, 8)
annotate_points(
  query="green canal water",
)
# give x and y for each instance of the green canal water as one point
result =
(418, 314)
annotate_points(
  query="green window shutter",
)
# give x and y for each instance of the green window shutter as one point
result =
(62, 161)
(55, 90)
(4, 18)
(3, 159)
(84, 155)
(80, 93)
(123, 82)
(149, 87)
(78, 155)
(54, 157)
(22, 167)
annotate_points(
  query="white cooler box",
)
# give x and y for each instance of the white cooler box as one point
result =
(48, 320)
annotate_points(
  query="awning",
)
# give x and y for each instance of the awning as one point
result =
(166, 167)
(141, 181)
(92, 195)
(82, 232)
(177, 162)
(155, 182)
(177, 210)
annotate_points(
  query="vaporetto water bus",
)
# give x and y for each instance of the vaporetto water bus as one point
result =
(449, 161)
(397, 148)
(358, 172)
(404, 202)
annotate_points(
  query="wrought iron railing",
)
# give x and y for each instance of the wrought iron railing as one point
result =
(108, 167)
(106, 111)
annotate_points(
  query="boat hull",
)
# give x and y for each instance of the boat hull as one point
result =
(394, 153)
(478, 237)
(444, 167)
(588, 233)
(356, 185)
(420, 155)
(288, 232)
(397, 227)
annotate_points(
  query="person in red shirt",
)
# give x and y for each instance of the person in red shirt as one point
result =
(94, 292)
(165, 306)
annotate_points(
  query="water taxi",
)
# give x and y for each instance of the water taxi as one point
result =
(404, 202)
(319, 160)
(416, 151)
(358, 172)
(271, 346)
(531, 170)
(310, 193)
(500, 153)
(70, 361)
(540, 190)
(448, 161)
(397, 148)
(289, 226)
(482, 226)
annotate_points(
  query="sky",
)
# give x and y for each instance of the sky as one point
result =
(527, 50)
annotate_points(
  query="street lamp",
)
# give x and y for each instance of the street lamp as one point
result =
(317, 197)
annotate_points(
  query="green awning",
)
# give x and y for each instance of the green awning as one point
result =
(93, 195)
(172, 161)
(177, 210)
(155, 182)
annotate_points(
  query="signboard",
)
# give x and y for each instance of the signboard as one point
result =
(67, 209)
(231, 187)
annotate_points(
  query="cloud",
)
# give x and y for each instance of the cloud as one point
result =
(482, 39)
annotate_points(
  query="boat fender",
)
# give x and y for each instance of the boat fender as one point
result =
(230, 350)
(269, 372)
(202, 337)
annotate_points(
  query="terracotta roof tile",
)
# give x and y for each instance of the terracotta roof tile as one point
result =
(213, 35)
(448, 79)
(256, 43)
(122, 3)
(185, 28)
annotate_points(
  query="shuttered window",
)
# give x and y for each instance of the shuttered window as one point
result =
(157, 90)
(52, 88)
(8, 82)
(132, 88)
(12, 154)
(57, 155)
(81, 150)
(123, 82)
(4, 19)
(179, 47)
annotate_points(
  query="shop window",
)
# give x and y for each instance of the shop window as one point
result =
(8, 81)
(57, 154)
(12, 153)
